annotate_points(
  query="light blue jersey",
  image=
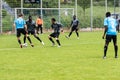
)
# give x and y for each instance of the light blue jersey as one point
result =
(20, 22)
(111, 23)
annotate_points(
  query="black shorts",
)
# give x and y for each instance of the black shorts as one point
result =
(74, 28)
(39, 26)
(111, 37)
(31, 32)
(19, 31)
(55, 35)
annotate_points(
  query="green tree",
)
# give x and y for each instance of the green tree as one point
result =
(14, 3)
(84, 4)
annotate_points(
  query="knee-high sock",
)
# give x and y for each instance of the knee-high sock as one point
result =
(116, 50)
(24, 39)
(58, 42)
(38, 38)
(51, 40)
(105, 50)
(70, 34)
(19, 41)
(77, 34)
(29, 39)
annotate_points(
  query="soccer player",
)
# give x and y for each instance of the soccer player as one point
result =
(21, 27)
(74, 27)
(110, 25)
(39, 23)
(31, 29)
(56, 32)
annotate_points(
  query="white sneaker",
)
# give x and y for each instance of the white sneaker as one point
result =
(78, 38)
(59, 46)
(53, 44)
(43, 43)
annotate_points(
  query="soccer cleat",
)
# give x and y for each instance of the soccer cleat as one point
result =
(21, 46)
(32, 45)
(53, 44)
(78, 38)
(104, 57)
(59, 46)
(43, 43)
(67, 37)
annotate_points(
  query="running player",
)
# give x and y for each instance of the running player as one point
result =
(74, 27)
(110, 25)
(31, 29)
(21, 27)
(56, 32)
(39, 23)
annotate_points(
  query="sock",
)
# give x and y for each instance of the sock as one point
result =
(58, 42)
(116, 50)
(105, 50)
(51, 40)
(38, 39)
(70, 34)
(24, 39)
(29, 39)
(19, 41)
(77, 34)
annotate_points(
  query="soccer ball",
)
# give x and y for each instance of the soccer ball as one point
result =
(25, 45)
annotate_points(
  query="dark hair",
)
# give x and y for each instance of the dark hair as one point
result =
(30, 19)
(108, 14)
(53, 19)
(20, 15)
(74, 15)
(39, 16)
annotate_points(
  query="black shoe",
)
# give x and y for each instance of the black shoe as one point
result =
(32, 45)
(21, 46)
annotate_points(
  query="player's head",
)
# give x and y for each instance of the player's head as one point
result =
(53, 20)
(20, 15)
(108, 14)
(30, 18)
(40, 17)
(74, 17)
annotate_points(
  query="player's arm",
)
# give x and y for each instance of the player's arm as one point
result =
(105, 30)
(77, 24)
(61, 28)
(26, 28)
(71, 23)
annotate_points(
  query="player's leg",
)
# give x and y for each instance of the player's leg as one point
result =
(37, 29)
(41, 29)
(18, 37)
(77, 32)
(108, 39)
(57, 40)
(27, 36)
(24, 39)
(35, 35)
(72, 29)
(50, 38)
(115, 46)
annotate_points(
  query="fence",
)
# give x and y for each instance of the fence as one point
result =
(83, 11)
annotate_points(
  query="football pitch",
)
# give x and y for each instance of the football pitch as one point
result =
(76, 59)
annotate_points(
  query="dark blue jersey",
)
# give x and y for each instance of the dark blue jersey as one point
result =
(56, 27)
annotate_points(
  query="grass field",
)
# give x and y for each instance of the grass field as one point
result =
(75, 60)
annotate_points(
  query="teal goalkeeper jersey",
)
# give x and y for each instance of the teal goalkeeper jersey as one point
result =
(111, 23)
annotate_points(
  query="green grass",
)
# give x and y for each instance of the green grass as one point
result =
(75, 60)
